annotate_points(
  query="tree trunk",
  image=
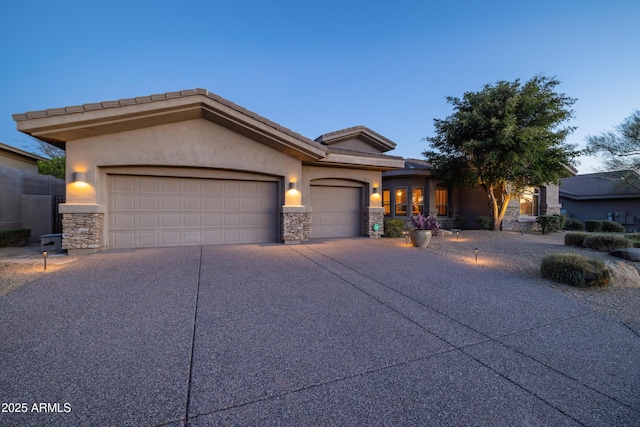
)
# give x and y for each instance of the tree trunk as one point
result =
(499, 210)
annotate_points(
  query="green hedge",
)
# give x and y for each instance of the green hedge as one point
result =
(485, 222)
(573, 224)
(575, 270)
(551, 223)
(17, 237)
(393, 228)
(606, 243)
(593, 226)
(613, 227)
(575, 239)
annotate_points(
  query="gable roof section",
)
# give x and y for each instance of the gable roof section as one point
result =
(602, 185)
(412, 167)
(362, 133)
(58, 125)
(16, 153)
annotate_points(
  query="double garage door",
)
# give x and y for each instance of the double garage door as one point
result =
(148, 211)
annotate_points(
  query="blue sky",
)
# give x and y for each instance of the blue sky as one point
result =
(316, 67)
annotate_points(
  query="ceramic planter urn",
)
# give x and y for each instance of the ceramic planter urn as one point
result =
(420, 238)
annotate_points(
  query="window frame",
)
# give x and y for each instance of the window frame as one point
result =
(439, 189)
(398, 205)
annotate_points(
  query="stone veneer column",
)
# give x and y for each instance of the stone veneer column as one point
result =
(82, 232)
(373, 216)
(295, 224)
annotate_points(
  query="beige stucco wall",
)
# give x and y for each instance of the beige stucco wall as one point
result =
(368, 178)
(357, 145)
(186, 145)
(8, 159)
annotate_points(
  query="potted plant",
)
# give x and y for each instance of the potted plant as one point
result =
(423, 229)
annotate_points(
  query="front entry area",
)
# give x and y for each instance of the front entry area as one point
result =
(154, 211)
(337, 211)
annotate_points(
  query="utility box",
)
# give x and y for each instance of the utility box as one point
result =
(51, 243)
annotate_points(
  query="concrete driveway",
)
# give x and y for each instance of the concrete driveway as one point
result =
(343, 332)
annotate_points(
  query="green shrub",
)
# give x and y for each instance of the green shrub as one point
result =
(573, 224)
(575, 270)
(458, 223)
(593, 226)
(635, 239)
(575, 239)
(17, 237)
(612, 227)
(393, 227)
(485, 222)
(550, 223)
(606, 243)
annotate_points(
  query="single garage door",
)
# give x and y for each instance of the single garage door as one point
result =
(149, 211)
(336, 211)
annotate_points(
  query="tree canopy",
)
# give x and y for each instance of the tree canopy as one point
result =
(620, 148)
(55, 160)
(505, 138)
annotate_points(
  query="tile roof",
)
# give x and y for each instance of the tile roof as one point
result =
(104, 105)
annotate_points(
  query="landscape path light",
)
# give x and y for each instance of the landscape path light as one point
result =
(476, 255)
(44, 257)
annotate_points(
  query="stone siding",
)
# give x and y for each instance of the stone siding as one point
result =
(82, 230)
(296, 227)
(371, 218)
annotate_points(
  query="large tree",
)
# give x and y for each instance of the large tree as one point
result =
(55, 160)
(505, 138)
(620, 148)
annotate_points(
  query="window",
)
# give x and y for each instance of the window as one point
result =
(417, 201)
(401, 201)
(442, 201)
(529, 202)
(386, 201)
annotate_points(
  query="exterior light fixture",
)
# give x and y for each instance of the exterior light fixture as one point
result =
(457, 233)
(44, 257)
(406, 238)
(375, 190)
(79, 177)
(476, 255)
(292, 185)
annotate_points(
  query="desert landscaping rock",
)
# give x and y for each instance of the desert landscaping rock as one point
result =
(623, 275)
(630, 254)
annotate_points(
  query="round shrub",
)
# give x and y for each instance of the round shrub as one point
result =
(593, 226)
(550, 223)
(485, 222)
(613, 227)
(575, 270)
(393, 227)
(573, 224)
(575, 239)
(606, 243)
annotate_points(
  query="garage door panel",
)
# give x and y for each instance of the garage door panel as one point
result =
(162, 211)
(337, 211)
(147, 185)
(148, 221)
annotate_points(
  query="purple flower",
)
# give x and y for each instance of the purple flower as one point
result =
(425, 222)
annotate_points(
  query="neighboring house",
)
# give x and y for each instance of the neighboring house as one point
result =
(18, 159)
(415, 189)
(191, 168)
(601, 196)
(27, 199)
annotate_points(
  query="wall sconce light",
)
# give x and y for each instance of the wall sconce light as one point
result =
(292, 185)
(79, 177)
(375, 190)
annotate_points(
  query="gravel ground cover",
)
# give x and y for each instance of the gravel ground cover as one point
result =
(511, 252)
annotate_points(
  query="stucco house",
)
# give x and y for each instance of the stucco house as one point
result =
(416, 189)
(192, 168)
(27, 199)
(601, 196)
